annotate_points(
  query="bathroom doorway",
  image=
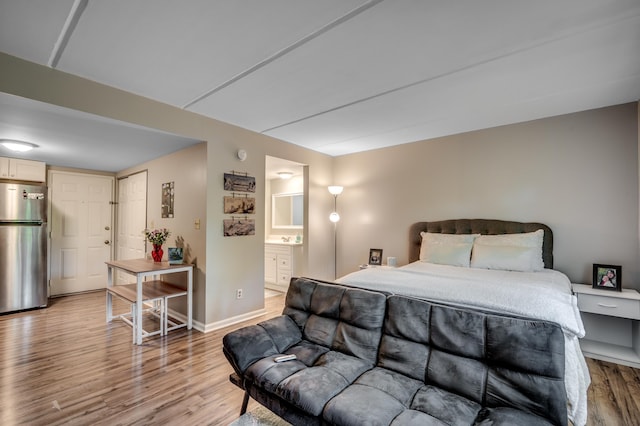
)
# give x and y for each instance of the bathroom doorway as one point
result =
(286, 223)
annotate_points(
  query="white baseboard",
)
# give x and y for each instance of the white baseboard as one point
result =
(219, 324)
(234, 320)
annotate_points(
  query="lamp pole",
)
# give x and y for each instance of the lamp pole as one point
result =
(335, 218)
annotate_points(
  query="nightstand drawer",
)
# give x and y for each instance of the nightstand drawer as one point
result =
(617, 307)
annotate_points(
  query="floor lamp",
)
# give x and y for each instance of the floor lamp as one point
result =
(335, 218)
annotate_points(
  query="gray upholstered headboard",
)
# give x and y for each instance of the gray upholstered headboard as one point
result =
(479, 226)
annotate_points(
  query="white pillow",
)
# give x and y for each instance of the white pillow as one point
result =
(511, 252)
(447, 249)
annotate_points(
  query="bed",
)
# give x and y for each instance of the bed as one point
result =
(493, 265)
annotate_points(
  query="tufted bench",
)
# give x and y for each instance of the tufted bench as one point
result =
(368, 358)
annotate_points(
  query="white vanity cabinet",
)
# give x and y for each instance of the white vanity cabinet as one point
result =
(280, 262)
(19, 169)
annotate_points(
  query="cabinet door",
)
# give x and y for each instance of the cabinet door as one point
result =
(27, 170)
(4, 168)
(270, 267)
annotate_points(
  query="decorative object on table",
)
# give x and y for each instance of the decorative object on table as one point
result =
(391, 261)
(239, 205)
(157, 237)
(607, 277)
(375, 256)
(240, 182)
(236, 227)
(167, 199)
(176, 256)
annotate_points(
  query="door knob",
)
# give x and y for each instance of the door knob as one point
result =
(106, 228)
(106, 242)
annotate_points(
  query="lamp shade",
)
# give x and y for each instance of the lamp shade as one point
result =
(334, 217)
(335, 189)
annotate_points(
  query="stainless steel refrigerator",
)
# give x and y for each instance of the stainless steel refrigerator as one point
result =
(23, 246)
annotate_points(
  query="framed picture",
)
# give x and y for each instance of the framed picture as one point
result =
(238, 227)
(167, 199)
(239, 205)
(239, 183)
(375, 257)
(607, 277)
(176, 256)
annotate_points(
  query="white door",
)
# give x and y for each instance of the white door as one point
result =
(81, 231)
(132, 219)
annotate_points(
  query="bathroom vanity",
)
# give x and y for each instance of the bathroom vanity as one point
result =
(281, 262)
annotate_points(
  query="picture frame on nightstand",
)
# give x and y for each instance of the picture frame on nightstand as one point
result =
(607, 277)
(375, 256)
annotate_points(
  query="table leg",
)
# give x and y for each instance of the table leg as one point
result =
(189, 298)
(133, 321)
(109, 300)
(137, 329)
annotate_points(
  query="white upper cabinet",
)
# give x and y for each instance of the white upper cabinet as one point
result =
(18, 169)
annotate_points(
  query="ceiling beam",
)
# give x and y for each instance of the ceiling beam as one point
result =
(67, 30)
(355, 12)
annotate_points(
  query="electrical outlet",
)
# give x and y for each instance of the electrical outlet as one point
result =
(239, 293)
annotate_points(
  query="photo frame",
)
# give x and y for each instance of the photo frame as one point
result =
(239, 183)
(176, 256)
(236, 227)
(239, 205)
(375, 256)
(168, 192)
(607, 277)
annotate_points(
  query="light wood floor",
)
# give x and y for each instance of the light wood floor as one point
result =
(65, 365)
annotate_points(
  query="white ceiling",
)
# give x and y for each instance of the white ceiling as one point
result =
(342, 76)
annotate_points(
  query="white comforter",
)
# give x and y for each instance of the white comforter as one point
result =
(544, 295)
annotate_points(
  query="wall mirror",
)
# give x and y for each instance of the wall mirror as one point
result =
(287, 211)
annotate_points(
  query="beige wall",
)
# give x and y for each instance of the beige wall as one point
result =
(557, 170)
(230, 262)
(187, 169)
(578, 173)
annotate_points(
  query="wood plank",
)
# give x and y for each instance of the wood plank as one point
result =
(65, 365)
(154, 289)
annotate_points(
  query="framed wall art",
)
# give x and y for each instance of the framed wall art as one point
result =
(235, 181)
(239, 205)
(236, 227)
(167, 199)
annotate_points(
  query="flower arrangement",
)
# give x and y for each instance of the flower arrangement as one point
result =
(157, 236)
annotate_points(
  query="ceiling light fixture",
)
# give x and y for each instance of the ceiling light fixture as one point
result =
(17, 146)
(285, 175)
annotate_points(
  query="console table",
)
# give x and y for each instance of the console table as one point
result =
(148, 290)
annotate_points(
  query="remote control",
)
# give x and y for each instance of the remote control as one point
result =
(283, 358)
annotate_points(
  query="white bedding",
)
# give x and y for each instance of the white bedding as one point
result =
(544, 295)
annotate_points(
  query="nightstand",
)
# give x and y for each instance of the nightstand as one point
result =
(365, 266)
(612, 324)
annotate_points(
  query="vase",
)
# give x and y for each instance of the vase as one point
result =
(157, 252)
